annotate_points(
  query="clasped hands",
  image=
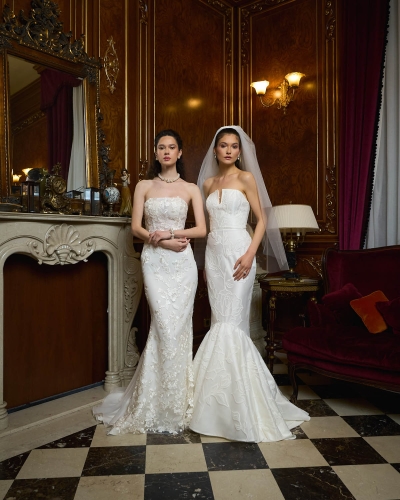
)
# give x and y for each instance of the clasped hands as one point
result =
(163, 239)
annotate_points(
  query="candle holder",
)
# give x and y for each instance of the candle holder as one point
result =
(26, 172)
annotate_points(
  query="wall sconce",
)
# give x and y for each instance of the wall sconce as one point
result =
(286, 91)
(294, 222)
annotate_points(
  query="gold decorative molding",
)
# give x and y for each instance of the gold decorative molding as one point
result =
(330, 27)
(246, 14)
(43, 31)
(28, 121)
(111, 65)
(330, 201)
(61, 245)
(330, 225)
(143, 169)
(227, 12)
(143, 9)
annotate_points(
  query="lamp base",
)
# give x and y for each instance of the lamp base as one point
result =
(291, 275)
(292, 261)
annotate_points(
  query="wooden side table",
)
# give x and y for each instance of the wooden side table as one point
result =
(282, 289)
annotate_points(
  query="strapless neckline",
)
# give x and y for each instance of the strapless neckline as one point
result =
(166, 198)
(222, 192)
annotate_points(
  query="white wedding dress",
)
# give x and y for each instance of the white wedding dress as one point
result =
(236, 396)
(159, 397)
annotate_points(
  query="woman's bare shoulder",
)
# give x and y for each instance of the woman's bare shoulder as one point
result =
(208, 182)
(144, 185)
(246, 177)
(191, 187)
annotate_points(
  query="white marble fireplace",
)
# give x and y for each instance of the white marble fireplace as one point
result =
(54, 239)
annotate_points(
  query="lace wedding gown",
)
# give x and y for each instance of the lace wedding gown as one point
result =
(159, 397)
(236, 396)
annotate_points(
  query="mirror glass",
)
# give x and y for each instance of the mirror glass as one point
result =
(49, 93)
(47, 120)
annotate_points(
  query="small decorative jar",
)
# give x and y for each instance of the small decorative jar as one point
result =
(111, 196)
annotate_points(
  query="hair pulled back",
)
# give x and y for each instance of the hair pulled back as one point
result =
(224, 131)
(155, 166)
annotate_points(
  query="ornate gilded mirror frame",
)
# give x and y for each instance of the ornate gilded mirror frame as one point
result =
(38, 38)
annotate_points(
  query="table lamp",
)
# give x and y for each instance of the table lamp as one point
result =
(294, 222)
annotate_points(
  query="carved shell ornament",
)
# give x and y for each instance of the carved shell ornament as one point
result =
(62, 245)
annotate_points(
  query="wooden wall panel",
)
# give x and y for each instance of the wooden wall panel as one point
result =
(296, 151)
(112, 15)
(192, 73)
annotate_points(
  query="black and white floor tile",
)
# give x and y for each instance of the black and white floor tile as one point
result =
(350, 449)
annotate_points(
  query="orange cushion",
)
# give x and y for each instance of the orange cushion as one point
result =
(365, 307)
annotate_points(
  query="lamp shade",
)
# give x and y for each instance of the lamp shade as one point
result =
(294, 78)
(260, 87)
(295, 217)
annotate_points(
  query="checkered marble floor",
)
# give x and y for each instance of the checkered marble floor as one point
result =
(350, 449)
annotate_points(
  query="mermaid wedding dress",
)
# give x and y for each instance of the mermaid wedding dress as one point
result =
(236, 396)
(159, 397)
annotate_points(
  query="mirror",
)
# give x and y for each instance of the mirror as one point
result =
(50, 95)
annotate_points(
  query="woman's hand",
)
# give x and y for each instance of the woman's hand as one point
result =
(176, 244)
(242, 266)
(157, 236)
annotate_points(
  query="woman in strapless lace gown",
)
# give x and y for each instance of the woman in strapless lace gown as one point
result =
(236, 396)
(159, 397)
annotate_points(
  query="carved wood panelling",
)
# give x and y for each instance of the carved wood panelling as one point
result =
(112, 15)
(193, 73)
(296, 151)
(144, 89)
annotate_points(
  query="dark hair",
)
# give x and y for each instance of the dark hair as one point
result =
(155, 166)
(224, 131)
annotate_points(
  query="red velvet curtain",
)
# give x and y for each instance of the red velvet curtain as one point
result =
(364, 27)
(56, 101)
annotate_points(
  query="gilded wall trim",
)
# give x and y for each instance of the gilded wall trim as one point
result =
(330, 225)
(111, 65)
(246, 14)
(143, 11)
(28, 121)
(227, 12)
(144, 82)
(42, 31)
(330, 21)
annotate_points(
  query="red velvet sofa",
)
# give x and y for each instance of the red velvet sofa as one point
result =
(337, 343)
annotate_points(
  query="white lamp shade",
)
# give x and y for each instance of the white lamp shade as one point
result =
(296, 217)
(294, 78)
(260, 87)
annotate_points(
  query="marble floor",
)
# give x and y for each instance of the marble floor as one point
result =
(350, 449)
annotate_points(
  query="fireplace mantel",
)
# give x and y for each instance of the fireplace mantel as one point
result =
(54, 239)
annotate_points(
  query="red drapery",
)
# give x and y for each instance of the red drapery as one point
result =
(56, 101)
(364, 27)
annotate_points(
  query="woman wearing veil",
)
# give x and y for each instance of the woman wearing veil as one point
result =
(236, 396)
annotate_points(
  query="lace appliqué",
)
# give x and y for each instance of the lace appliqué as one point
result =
(162, 393)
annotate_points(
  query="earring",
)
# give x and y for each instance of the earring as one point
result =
(238, 158)
(215, 156)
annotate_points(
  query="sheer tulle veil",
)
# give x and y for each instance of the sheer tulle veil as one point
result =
(272, 242)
